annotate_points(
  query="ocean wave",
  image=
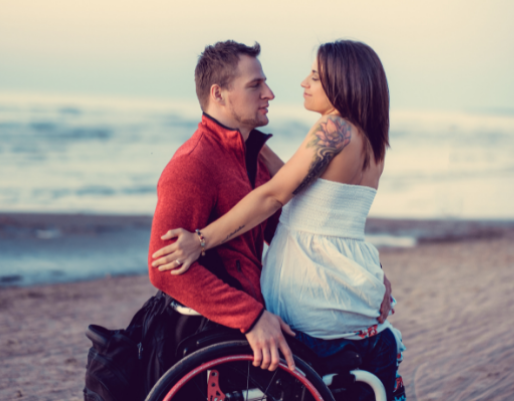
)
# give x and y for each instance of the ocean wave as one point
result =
(73, 155)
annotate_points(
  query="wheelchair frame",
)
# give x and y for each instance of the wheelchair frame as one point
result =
(210, 358)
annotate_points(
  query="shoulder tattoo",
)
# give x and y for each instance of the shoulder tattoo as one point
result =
(329, 138)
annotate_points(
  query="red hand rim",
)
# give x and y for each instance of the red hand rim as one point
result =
(207, 365)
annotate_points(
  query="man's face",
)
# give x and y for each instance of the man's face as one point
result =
(248, 95)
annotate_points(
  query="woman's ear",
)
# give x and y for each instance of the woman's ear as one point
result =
(217, 95)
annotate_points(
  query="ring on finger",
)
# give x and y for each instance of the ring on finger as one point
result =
(178, 262)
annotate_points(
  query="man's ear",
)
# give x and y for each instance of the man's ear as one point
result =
(217, 95)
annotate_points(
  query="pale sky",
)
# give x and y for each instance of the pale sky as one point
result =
(438, 55)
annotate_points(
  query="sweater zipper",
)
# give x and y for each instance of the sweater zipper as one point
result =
(238, 267)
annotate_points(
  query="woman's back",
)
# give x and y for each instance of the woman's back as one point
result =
(347, 166)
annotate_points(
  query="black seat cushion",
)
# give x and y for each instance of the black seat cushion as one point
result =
(343, 361)
(211, 333)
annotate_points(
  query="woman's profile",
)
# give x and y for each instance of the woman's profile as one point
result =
(320, 275)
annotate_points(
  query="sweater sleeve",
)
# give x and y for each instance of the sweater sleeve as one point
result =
(186, 197)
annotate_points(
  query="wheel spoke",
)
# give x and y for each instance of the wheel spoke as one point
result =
(248, 381)
(271, 381)
(204, 395)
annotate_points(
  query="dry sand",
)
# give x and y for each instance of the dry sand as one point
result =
(456, 302)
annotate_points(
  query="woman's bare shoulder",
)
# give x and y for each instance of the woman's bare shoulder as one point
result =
(348, 166)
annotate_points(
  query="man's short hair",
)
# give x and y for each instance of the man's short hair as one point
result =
(218, 65)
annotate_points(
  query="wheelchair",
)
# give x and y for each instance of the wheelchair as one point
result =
(216, 365)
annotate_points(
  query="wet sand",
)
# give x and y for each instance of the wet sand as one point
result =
(455, 295)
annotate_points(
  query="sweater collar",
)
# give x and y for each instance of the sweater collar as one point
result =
(206, 118)
(232, 137)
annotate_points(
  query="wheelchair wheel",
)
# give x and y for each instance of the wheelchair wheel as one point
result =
(224, 371)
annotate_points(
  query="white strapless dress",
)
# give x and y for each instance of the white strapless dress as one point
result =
(320, 275)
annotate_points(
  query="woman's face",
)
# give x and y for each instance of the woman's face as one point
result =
(315, 97)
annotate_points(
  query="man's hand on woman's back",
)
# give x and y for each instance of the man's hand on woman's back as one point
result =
(266, 339)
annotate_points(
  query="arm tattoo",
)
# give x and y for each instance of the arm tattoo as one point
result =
(330, 138)
(232, 233)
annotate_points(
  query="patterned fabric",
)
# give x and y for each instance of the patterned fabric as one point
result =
(399, 389)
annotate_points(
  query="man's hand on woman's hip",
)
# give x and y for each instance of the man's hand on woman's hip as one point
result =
(266, 339)
(385, 308)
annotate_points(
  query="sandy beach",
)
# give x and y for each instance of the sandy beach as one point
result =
(455, 293)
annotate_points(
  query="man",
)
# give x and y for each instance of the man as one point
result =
(206, 177)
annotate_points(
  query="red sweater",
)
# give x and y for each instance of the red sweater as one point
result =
(206, 177)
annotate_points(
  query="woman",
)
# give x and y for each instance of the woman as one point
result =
(319, 275)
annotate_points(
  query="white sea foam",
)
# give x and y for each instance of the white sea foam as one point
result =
(79, 154)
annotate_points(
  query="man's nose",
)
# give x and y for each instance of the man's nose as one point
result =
(268, 93)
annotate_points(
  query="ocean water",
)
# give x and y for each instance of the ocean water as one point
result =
(105, 156)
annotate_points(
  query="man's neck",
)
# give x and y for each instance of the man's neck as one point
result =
(229, 123)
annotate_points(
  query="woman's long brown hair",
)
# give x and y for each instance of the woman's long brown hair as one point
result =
(355, 83)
